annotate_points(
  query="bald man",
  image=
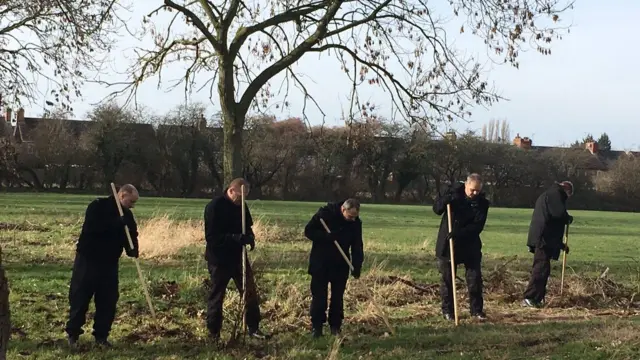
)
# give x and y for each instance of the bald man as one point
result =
(546, 230)
(223, 234)
(95, 269)
(469, 208)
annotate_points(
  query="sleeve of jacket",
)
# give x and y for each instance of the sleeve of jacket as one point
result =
(556, 207)
(477, 225)
(314, 230)
(249, 221)
(357, 249)
(130, 220)
(213, 236)
(440, 205)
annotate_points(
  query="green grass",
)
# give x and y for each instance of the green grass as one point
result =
(399, 240)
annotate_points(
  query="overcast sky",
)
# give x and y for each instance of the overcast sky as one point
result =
(588, 85)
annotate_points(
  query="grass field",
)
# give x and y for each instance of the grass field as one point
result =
(596, 318)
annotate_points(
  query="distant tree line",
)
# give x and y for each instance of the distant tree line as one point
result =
(179, 154)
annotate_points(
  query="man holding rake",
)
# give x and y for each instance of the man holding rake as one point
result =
(95, 268)
(547, 227)
(225, 239)
(327, 264)
(469, 208)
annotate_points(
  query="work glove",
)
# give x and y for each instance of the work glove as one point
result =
(565, 247)
(135, 253)
(356, 273)
(248, 240)
(451, 235)
(569, 219)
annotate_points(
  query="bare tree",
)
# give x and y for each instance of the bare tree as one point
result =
(56, 148)
(396, 44)
(497, 132)
(61, 41)
(110, 139)
(181, 139)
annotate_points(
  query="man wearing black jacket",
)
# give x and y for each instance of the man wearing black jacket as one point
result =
(326, 264)
(469, 208)
(546, 230)
(223, 234)
(95, 268)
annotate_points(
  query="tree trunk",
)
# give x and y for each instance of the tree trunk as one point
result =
(5, 318)
(232, 122)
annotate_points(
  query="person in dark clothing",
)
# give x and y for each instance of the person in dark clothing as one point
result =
(95, 268)
(469, 208)
(224, 238)
(326, 264)
(546, 230)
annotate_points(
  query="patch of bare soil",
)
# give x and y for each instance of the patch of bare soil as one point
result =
(166, 290)
(152, 331)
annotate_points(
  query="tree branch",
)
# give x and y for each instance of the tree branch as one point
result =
(199, 24)
(290, 15)
(286, 61)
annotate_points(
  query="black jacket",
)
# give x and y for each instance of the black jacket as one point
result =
(468, 219)
(324, 255)
(548, 221)
(103, 237)
(223, 219)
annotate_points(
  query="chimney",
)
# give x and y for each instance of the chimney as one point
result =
(451, 135)
(592, 146)
(20, 116)
(7, 115)
(202, 123)
(523, 143)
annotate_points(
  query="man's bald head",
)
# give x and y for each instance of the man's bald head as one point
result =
(234, 191)
(128, 196)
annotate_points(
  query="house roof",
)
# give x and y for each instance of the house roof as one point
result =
(24, 130)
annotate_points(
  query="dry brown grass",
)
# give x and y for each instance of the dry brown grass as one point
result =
(268, 232)
(161, 236)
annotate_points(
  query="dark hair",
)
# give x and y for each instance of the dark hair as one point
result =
(351, 203)
(238, 182)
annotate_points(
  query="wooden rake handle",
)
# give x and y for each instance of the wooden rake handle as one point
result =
(337, 245)
(564, 259)
(453, 266)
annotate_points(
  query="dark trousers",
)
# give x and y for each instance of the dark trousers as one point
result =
(100, 281)
(220, 277)
(319, 293)
(540, 271)
(474, 284)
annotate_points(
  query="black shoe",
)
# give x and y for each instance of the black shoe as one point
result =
(316, 332)
(103, 342)
(257, 334)
(479, 315)
(72, 340)
(335, 330)
(531, 303)
(213, 337)
(448, 316)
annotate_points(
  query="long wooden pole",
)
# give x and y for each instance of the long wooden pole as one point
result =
(453, 267)
(244, 266)
(126, 230)
(564, 259)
